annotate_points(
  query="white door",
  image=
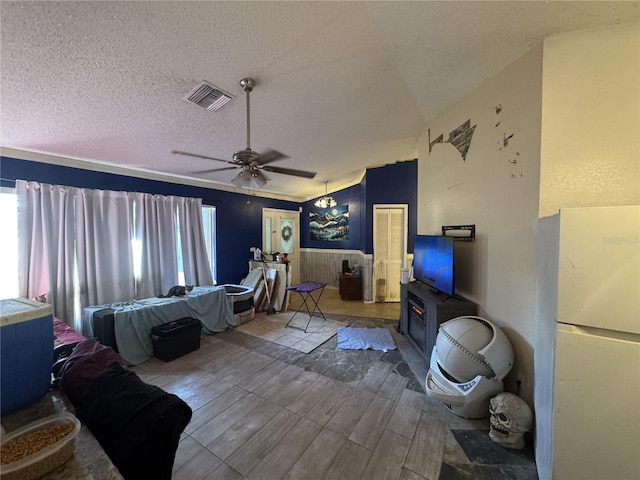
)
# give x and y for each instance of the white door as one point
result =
(281, 233)
(389, 250)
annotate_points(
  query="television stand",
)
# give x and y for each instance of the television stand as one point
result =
(423, 310)
(441, 296)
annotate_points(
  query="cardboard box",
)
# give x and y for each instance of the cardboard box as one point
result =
(26, 352)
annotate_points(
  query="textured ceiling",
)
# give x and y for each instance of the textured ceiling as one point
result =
(341, 86)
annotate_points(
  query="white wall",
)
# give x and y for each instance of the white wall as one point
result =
(496, 189)
(590, 156)
(576, 142)
(590, 120)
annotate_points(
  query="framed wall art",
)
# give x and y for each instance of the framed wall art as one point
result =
(329, 224)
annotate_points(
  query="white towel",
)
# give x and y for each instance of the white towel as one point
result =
(364, 338)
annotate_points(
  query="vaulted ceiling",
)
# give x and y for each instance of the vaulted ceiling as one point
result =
(340, 86)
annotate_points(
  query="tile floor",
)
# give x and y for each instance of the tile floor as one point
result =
(264, 411)
(298, 333)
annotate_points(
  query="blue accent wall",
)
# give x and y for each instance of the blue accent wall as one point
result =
(351, 197)
(239, 215)
(395, 183)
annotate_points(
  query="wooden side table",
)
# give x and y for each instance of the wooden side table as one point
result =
(350, 287)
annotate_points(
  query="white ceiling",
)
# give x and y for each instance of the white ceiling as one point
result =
(341, 86)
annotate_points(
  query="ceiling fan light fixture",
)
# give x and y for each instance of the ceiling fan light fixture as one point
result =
(249, 178)
(326, 201)
(243, 179)
(258, 180)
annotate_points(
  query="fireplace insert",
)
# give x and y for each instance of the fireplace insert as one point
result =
(416, 322)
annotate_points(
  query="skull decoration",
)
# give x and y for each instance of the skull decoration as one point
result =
(510, 419)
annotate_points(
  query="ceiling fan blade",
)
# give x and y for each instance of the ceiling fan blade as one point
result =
(217, 169)
(178, 152)
(289, 171)
(268, 157)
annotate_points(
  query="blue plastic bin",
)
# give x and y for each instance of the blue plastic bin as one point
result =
(26, 352)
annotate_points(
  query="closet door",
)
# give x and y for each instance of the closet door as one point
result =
(389, 250)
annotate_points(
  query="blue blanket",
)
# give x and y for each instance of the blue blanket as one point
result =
(364, 338)
(134, 320)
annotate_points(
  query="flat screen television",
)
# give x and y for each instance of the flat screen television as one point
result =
(433, 262)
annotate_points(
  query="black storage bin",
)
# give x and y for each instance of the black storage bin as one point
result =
(174, 339)
(103, 328)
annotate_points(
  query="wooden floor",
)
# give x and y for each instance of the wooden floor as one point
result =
(262, 411)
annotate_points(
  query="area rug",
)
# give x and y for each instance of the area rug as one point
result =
(272, 328)
(365, 338)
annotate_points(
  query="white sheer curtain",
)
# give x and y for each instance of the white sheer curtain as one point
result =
(156, 233)
(155, 228)
(197, 270)
(103, 246)
(83, 247)
(46, 244)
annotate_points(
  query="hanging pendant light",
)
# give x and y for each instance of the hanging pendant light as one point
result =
(326, 201)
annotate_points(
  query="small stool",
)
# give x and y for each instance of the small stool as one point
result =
(306, 289)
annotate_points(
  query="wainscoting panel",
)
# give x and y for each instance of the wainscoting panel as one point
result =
(324, 265)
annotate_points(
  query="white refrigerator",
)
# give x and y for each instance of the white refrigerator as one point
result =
(588, 347)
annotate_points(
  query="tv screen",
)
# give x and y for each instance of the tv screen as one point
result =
(433, 262)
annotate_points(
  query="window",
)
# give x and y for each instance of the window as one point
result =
(209, 227)
(9, 243)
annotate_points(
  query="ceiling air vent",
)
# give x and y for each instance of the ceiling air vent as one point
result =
(208, 96)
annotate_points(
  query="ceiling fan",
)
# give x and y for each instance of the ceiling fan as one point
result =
(248, 160)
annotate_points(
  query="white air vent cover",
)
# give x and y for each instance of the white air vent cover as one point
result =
(208, 96)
